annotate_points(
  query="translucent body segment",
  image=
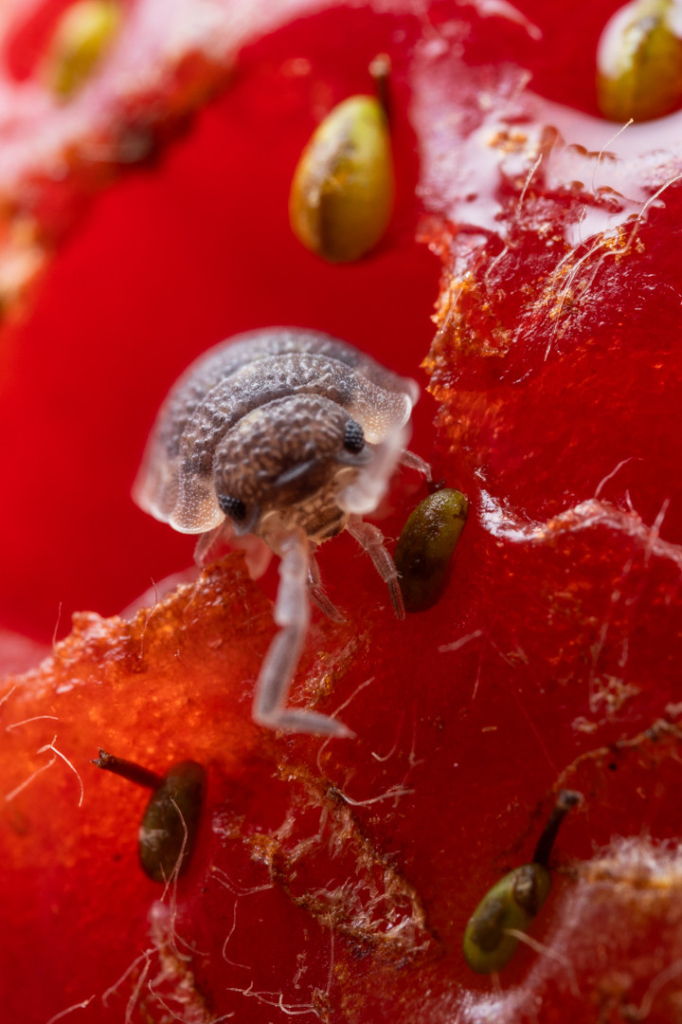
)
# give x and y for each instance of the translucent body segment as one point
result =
(423, 555)
(639, 61)
(196, 508)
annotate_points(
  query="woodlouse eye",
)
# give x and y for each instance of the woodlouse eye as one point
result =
(232, 507)
(354, 437)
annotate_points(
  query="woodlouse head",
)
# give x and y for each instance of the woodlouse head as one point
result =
(301, 452)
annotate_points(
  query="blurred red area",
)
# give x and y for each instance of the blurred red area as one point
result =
(335, 879)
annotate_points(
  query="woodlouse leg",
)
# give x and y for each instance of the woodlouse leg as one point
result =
(317, 592)
(408, 458)
(292, 613)
(257, 553)
(213, 544)
(372, 540)
(205, 546)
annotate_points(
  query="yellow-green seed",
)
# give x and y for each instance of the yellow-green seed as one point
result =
(171, 821)
(491, 936)
(81, 38)
(343, 189)
(511, 904)
(639, 61)
(427, 543)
